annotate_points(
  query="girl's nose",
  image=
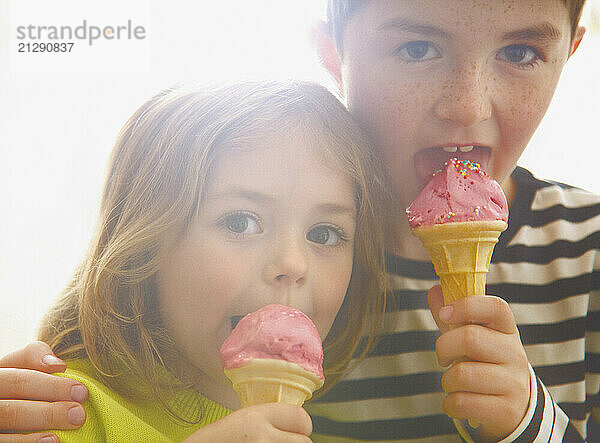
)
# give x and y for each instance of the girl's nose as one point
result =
(465, 98)
(288, 264)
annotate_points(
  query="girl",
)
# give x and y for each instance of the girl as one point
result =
(217, 202)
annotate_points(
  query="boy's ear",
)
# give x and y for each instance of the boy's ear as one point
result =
(326, 52)
(576, 39)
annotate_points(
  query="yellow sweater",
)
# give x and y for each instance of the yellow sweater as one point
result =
(112, 418)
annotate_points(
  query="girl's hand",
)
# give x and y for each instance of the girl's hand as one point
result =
(32, 400)
(490, 383)
(269, 422)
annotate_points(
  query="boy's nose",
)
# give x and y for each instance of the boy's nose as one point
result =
(465, 98)
(287, 266)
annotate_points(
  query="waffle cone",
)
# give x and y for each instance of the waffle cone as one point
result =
(461, 253)
(270, 380)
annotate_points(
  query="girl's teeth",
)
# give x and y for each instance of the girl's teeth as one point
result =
(466, 148)
(451, 148)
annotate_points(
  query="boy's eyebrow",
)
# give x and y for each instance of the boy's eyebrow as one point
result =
(542, 31)
(405, 25)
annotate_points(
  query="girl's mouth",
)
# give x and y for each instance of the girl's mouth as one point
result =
(428, 161)
(235, 320)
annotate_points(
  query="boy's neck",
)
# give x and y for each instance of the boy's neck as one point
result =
(510, 189)
(406, 245)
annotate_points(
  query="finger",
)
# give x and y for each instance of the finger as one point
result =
(475, 342)
(435, 300)
(23, 384)
(36, 355)
(39, 437)
(25, 416)
(482, 378)
(288, 418)
(487, 310)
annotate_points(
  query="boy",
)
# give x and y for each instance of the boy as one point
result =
(430, 80)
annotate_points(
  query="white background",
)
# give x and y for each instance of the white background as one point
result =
(60, 116)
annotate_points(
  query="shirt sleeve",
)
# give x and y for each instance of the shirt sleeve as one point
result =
(543, 422)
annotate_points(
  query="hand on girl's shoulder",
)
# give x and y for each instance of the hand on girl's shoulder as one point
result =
(24, 376)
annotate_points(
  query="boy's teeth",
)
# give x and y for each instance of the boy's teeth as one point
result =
(466, 148)
(450, 148)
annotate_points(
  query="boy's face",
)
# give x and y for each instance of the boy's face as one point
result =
(426, 77)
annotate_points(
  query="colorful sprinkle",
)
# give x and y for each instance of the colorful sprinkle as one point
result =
(463, 167)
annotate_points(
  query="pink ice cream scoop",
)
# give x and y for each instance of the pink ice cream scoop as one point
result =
(275, 332)
(274, 354)
(461, 191)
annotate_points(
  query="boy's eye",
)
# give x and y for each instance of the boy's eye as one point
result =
(418, 51)
(242, 223)
(325, 235)
(518, 54)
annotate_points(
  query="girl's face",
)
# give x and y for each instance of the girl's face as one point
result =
(276, 226)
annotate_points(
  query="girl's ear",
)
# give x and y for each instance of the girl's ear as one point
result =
(326, 52)
(577, 39)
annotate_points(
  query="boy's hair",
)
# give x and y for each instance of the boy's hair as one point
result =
(155, 184)
(339, 13)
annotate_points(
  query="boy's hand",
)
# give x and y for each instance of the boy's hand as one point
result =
(32, 400)
(269, 422)
(491, 385)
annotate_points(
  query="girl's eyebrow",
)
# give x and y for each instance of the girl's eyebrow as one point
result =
(542, 31)
(333, 208)
(245, 194)
(404, 25)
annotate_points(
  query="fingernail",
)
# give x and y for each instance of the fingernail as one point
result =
(48, 439)
(51, 360)
(76, 415)
(446, 313)
(79, 393)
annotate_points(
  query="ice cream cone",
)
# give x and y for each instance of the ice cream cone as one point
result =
(269, 380)
(461, 253)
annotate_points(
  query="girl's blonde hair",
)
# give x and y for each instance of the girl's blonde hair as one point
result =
(155, 184)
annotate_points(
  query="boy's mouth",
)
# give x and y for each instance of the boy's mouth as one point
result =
(429, 160)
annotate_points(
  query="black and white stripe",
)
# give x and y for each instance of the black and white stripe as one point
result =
(547, 266)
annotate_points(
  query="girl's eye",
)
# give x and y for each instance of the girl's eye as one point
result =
(418, 51)
(242, 223)
(519, 55)
(325, 235)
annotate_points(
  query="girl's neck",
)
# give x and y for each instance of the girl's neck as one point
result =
(219, 391)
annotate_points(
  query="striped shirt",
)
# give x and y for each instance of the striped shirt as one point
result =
(547, 267)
